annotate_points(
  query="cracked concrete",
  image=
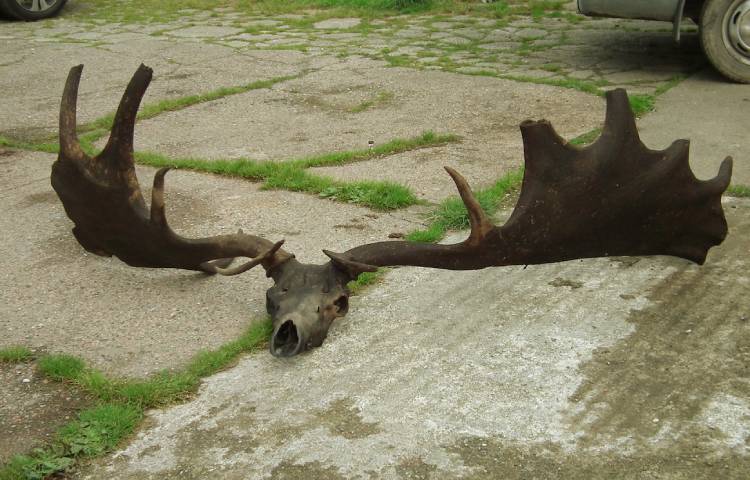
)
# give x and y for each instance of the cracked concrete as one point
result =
(180, 70)
(309, 115)
(684, 112)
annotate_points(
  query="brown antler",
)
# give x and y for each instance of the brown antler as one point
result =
(615, 197)
(102, 197)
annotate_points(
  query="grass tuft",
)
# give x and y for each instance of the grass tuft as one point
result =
(46, 147)
(742, 191)
(381, 98)
(100, 429)
(15, 354)
(392, 147)
(102, 125)
(61, 367)
(366, 279)
(586, 138)
(641, 104)
(575, 84)
(292, 175)
(451, 214)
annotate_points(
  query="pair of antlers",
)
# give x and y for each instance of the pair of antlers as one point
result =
(614, 197)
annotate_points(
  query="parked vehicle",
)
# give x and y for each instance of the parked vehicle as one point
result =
(724, 26)
(31, 9)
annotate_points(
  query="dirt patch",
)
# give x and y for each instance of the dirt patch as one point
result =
(414, 468)
(343, 418)
(307, 471)
(691, 347)
(32, 408)
(39, 198)
(564, 282)
(494, 458)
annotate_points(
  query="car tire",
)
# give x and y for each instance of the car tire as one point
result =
(32, 9)
(725, 37)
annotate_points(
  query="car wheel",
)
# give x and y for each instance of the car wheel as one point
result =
(725, 37)
(32, 9)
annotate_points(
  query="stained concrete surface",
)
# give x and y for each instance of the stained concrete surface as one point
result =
(179, 70)
(422, 171)
(713, 114)
(313, 115)
(587, 369)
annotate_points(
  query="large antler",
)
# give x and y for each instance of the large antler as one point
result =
(615, 197)
(102, 197)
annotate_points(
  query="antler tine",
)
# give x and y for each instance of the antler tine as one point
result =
(722, 179)
(158, 217)
(619, 120)
(479, 221)
(120, 145)
(103, 198)
(209, 267)
(69, 146)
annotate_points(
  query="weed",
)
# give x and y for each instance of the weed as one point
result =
(61, 367)
(451, 214)
(399, 60)
(102, 125)
(587, 137)
(499, 9)
(375, 195)
(15, 354)
(381, 98)
(670, 84)
(101, 428)
(291, 175)
(398, 145)
(641, 104)
(22, 145)
(580, 85)
(366, 279)
(40, 464)
(738, 191)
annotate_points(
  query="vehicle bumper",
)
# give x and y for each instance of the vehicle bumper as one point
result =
(665, 10)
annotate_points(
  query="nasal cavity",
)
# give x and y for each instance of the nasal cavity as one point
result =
(286, 342)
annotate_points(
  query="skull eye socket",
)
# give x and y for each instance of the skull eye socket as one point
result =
(271, 306)
(342, 304)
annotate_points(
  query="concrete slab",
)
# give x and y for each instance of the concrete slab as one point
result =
(713, 114)
(589, 369)
(314, 114)
(128, 321)
(180, 69)
(337, 23)
(204, 31)
(422, 170)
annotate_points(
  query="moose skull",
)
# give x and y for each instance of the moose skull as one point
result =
(303, 303)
